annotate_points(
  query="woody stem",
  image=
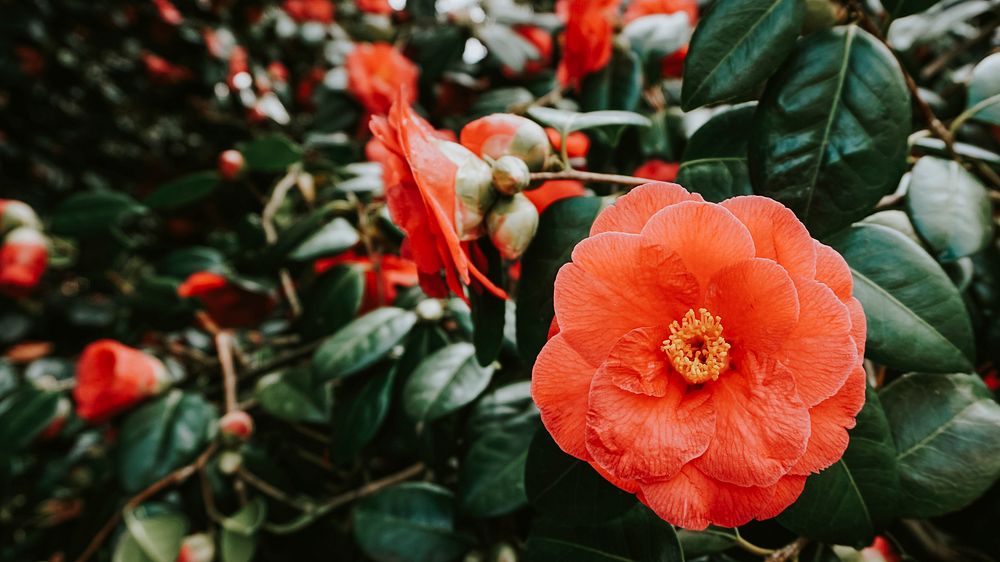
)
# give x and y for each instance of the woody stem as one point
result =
(224, 347)
(578, 175)
(281, 190)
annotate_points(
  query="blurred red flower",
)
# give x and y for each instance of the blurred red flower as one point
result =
(168, 12)
(376, 72)
(226, 303)
(542, 41)
(657, 170)
(161, 71)
(552, 191)
(309, 10)
(577, 142)
(374, 6)
(394, 273)
(23, 259)
(588, 37)
(638, 8)
(112, 377)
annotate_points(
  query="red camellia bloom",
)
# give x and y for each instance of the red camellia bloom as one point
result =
(552, 191)
(374, 6)
(589, 33)
(657, 170)
(421, 194)
(376, 72)
(577, 142)
(23, 259)
(708, 357)
(231, 164)
(672, 65)
(227, 304)
(162, 71)
(638, 8)
(394, 273)
(168, 12)
(309, 10)
(506, 134)
(111, 378)
(542, 41)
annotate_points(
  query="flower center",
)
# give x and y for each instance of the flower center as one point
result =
(696, 347)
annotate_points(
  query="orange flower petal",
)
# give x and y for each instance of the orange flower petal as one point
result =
(829, 422)
(705, 236)
(761, 425)
(859, 324)
(631, 212)
(757, 302)
(630, 486)
(820, 351)
(560, 384)
(777, 233)
(636, 362)
(832, 270)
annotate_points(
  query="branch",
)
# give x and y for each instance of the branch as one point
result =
(281, 190)
(630, 181)
(224, 347)
(788, 552)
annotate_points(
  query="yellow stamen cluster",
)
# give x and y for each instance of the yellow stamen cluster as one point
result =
(696, 347)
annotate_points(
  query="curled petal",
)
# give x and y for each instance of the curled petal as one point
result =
(632, 211)
(777, 233)
(832, 271)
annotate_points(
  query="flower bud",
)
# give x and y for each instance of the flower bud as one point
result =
(236, 424)
(512, 224)
(14, 214)
(506, 134)
(473, 189)
(510, 175)
(231, 164)
(197, 548)
(112, 377)
(23, 259)
(230, 462)
(822, 14)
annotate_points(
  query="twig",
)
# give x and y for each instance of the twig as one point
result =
(942, 61)
(224, 347)
(282, 360)
(589, 176)
(788, 552)
(176, 477)
(281, 190)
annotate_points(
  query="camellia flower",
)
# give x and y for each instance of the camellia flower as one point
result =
(552, 191)
(309, 10)
(657, 170)
(112, 377)
(423, 200)
(24, 256)
(588, 37)
(506, 134)
(639, 8)
(226, 303)
(376, 72)
(394, 273)
(707, 356)
(374, 6)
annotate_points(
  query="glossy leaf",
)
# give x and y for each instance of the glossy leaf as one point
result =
(84, 214)
(444, 382)
(983, 99)
(332, 301)
(657, 35)
(150, 537)
(335, 237)
(849, 502)
(829, 136)
(947, 433)
(488, 310)
(293, 396)
(273, 153)
(950, 208)
(491, 479)
(362, 343)
(736, 46)
(568, 121)
(508, 408)
(25, 413)
(637, 536)
(183, 191)
(238, 536)
(359, 417)
(715, 160)
(916, 318)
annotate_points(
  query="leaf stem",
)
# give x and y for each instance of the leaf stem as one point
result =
(618, 179)
(750, 547)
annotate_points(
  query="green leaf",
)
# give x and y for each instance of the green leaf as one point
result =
(916, 318)
(84, 214)
(567, 489)
(332, 301)
(736, 46)
(984, 90)
(238, 539)
(560, 228)
(295, 235)
(338, 235)
(715, 160)
(947, 433)
(444, 382)
(950, 208)
(488, 310)
(293, 396)
(183, 191)
(150, 537)
(25, 413)
(508, 408)
(849, 502)
(181, 263)
(411, 522)
(709, 541)
(568, 121)
(273, 153)
(491, 478)
(637, 536)
(359, 418)
(162, 436)
(829, 137)
(512, 50)
(362, 343)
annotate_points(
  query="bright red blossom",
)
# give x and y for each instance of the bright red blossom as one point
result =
(112, 377)
(394, 273)
(657, 170)
(588, 38)
(639, 8)
(376, 72)
(23, 260)
(374, 6)
(708, 356)
(309, 10)
(577, 142)
(542, 41)
(225, 302)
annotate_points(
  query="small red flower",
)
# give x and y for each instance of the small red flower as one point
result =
(375, 6)
(226, 303)
(239, 63)
(672, 65)
(168, 12)
(394, 273)
(506, 134)
(552, 191)
(577, 142)
(542, 41)
(588, 38)
(421, 194)
(111, 378)
(231, 164)
(376, 72)
(657, 170)
(162, 71)
(23, 259)
(307, 85)
(237, 424)
(639, 8)
(880, 551)
(309, 10)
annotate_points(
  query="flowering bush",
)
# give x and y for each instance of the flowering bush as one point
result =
(417, 281)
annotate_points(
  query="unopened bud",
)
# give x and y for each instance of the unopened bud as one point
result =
(504, 552)
(197, 548)
(473, 189)
(230, 462)
(236, 424)
(512, 224)
(506, 134)
(510, 175)
(231, 164)
(15, 214)
(430, 310)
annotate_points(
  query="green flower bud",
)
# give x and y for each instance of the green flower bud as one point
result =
(512, 224)
(473, 189)
(510, 175)
(14, 214)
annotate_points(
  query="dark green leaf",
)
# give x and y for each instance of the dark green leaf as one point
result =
(849, 502)
(25, 413)
(273, 153)
(338, 235)
(84, 214)
(950, 208)
(150, 537)
(293, 396)
(183, 191)
(947, 433)
(637, 536)
(362, 343)
(444, 382)
(829, 136)
(715, 160)
(332, 301)
(508, 408)
(709, 541)
(410, 522)
(568, 121)
(560, 228)
(238, 538)
(359, 417)
(916, 318)
(491, 480)
(736, 46)
(181, 263)
(162, 436)
(901, 8)
(568, 489)
(984, 91)
(488, 310)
